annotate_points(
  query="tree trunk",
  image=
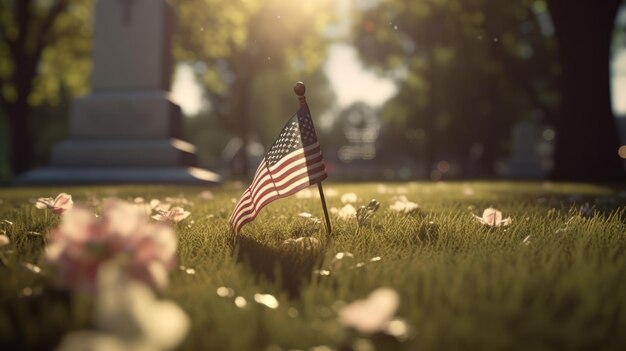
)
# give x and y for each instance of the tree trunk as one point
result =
(241, 116)
(587, 138)
(21, 143)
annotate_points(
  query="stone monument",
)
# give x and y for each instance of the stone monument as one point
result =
(127, 130)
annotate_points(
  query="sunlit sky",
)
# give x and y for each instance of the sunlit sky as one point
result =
(352, 82)
(186, 91)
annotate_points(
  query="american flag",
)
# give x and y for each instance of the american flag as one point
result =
(292, 163)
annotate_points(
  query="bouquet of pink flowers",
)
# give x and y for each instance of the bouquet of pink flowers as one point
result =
(83, 242)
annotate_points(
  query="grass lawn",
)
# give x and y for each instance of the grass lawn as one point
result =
(555, 278)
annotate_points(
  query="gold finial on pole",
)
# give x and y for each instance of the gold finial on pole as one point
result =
(300, 89)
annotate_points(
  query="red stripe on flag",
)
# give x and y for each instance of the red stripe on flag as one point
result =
(267, 177)
(294, 172)
(251, 212)
(267, 184)
(248, 216)
(278, 167)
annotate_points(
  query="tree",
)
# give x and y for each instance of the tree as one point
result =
(466, 70)
(587, 139)
(241, 43)
(47, 46)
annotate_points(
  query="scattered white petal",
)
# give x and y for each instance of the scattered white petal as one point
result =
(173, 215)
(33, 268)
(267, 300)
(345, 213)
(240, 302)
(341, 260)
(399, 329)
(223, 291)
(493, 218)
(527, 240)
(372, 314)
(403, 205)
(349, 198)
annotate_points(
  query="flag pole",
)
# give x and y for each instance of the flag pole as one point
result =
(300, 89)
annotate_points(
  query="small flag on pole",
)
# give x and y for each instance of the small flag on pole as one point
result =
(293, 163)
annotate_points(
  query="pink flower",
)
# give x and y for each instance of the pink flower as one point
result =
(4, 240)
(82, 242)
(59, 205)
(174, 215)
(493, 218)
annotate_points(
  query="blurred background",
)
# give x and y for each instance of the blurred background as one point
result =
(398, 89)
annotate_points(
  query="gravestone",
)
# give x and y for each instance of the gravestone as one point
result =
(127, 130)
(525, 160)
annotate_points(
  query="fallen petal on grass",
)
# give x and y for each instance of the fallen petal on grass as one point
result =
(321, 272)
(347, 212)
(59, 205)
(493, 218)
(240, 302)
(266, 300)
(32, 268)
(223, 291)
(403, 205)
(399, 329)
(349, 198)
(372, 314)
(173, 215)
(527, 240)
(309, 217)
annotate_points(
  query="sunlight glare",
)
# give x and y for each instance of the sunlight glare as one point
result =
(352, 82)
(186, 91)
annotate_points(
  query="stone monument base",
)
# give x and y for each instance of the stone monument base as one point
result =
(106, 153)
(114, 175)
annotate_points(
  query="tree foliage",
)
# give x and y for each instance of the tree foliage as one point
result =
(467, 70)
(45, 45)
(252, 52)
